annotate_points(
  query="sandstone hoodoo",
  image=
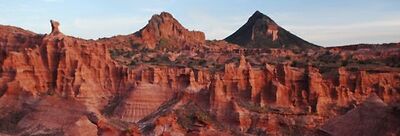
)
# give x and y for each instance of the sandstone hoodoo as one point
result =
(55, 27)
(260, 31)
(167, 80)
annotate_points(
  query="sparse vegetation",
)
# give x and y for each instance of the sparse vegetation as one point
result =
(392, 61)
(115, 53)
(253, 107)
(164, 44)
(329, 58)
(190, 114)
(137, 46)
(267, 109)
(109, 109)
(9, 122)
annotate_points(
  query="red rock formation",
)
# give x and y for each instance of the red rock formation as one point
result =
(372, 117)
(165, 28)
(57, 84)
(142, 101)
(52, 116)
(55, 30)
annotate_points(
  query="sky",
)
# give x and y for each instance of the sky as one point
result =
(323, 22)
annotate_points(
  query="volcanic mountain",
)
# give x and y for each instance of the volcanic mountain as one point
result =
(260, 31)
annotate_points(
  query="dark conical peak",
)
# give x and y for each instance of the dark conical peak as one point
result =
(260, 16)
(260, 31)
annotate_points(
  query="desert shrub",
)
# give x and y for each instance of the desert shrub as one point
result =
(294, 64)
(132, 63)
(328, 57)
(344, 63)
(192, 63)
(185, 121)
(128, 54)
(202, 62)
(116, 52)
(392, 61)
(111, 106)
(163, 44)
(252, 107)
(233, 60)
(161, 60)
(189, 114)
(50, 92)
(137, 46)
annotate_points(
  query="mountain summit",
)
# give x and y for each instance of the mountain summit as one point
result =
(164, 27)
(260, 31)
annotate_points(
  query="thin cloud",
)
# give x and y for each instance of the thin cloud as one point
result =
(107, 26)
(385, 23)
(52, 0)
(386, 30)
(214, 27)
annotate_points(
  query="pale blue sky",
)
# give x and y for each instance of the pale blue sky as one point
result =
(323, 22)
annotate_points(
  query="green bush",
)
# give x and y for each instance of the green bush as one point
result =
(163, 44)
(137, 46)
(132, 63)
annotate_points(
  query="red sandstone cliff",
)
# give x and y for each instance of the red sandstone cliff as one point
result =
(60, 85)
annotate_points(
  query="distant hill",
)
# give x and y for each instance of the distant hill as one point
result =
(260, 31)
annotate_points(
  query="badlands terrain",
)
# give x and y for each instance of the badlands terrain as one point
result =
(167, 80)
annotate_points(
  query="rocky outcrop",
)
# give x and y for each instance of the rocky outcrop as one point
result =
(142, 101)
(55, 30)
(16, 39)
(291, 87)
(372, 117)
(51, 116)
(165, 29)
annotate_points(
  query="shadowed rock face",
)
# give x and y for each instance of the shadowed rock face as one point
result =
(260, 31)
(373, 117)
(135, 84)
(55, 27)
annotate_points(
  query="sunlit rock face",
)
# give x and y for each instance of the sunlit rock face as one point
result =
(166, 28)
(167, 80)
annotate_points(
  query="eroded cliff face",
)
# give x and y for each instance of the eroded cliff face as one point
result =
(164, 28)
(61, 85)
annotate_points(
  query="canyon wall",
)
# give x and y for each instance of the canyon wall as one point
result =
(57, 84)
